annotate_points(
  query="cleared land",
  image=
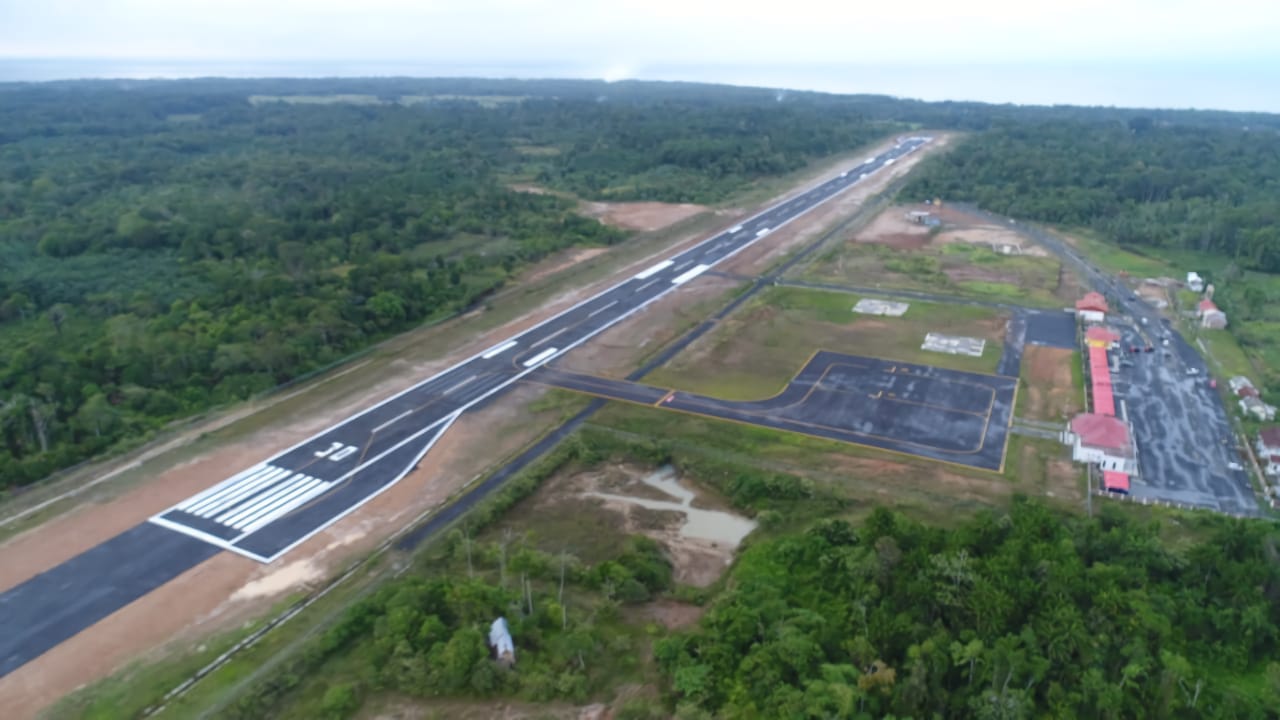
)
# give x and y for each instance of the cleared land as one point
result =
(963, 256)
(755, 352)
(1049, 391)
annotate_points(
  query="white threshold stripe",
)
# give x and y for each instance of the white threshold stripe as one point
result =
(734, 229)
(495, 352)
(392, 421)
(654, 270)
(244, 518)
(222, 489)
(262, 504)
(691, 274)
(259, 500)
(551, 337)
(827, 190)
(287, 508)
(457, 385)
(447, 422)
(281, 505)
(762, 232)
(244, 489)
(540, 357)
(222, 486)
(597, 311)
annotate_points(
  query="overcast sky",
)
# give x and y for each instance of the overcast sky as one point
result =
(1178, 53)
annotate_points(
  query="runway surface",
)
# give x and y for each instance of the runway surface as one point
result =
(946, 415)
(263, 511)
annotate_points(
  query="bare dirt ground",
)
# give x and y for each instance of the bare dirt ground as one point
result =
(231, 589)
(757, 258)
(644, 216)
(892, 227)
(670, 614)
(561, 261)
(1050, 394)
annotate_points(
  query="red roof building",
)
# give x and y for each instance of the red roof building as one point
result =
(1116, 482)
(1100, 378)
(1100, 336)
(1092, 301)
(1101, 431)
(1207, 305)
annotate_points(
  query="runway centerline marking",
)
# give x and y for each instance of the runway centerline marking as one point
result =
(455, 386)
(392, 421)
(552, 336)
(594, 313)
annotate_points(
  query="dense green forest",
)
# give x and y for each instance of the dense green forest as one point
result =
(1018, 615)
(168, 247)
(1012, 613)
(1138, 183)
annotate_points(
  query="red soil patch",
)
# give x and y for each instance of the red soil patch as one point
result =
(1050, 393)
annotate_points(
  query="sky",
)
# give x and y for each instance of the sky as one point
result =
(1166, 53)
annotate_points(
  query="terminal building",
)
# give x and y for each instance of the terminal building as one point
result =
(1100, 437)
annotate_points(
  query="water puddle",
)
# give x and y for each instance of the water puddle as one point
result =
(714, 525)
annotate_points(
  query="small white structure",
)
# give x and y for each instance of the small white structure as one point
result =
(1092, 308)
(954, 344)
(1254, 406)
(1210, 316)
(1242, 386)
(1102, 440)
(867, 306)
(1195, 283)
(504, 649)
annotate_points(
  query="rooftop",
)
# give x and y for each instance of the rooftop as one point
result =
(1101, 431)
(1270, 436)
(1207, 306)
(1101, 334)
(1092, 301)
(1115, 481)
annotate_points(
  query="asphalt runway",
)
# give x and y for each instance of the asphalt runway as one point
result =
(945, 415)
(263, 511)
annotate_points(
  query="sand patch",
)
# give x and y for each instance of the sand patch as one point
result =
(1050, 394)
(643, 216)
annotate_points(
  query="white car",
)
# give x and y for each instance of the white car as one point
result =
(1193, 371)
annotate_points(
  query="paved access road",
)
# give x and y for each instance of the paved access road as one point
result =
(946, 415)
(265, 510)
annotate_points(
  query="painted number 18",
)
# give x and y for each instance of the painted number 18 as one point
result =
(337, 451)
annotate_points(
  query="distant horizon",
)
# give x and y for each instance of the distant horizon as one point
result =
(1140, 86)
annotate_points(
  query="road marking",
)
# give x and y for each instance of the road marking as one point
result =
(682, 266)
(221, 489)
(395, 420)
(647, 285)
(594, 313)
(245, 490)
(734, 229)
(455, 386)
(265, 499)
(287, 508)
(282, 505)
(691, 274)
(762, 232)
(540, 357)
(550, 337)
(655, 270)
(495, 352)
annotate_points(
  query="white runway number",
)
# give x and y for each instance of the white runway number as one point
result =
(337, 451)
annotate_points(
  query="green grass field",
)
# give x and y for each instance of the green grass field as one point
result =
(754, 353)
(957, 268)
